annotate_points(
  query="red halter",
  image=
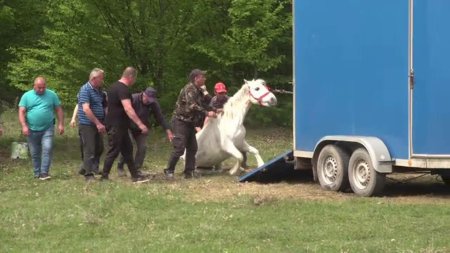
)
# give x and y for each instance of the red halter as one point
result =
(260, 98)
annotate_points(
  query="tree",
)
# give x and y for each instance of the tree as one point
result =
(251, 38)
(17, 30)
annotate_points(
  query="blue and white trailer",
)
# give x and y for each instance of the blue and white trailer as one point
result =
(371, 90)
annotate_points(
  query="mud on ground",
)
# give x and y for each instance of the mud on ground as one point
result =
(400, 188)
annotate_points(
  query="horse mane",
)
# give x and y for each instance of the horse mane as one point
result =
(237, 106)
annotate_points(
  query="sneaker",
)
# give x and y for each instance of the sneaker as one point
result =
(36, 176)
(104, 178)
(140, 180)
(143, 173)
(169, 174)
(44, 176)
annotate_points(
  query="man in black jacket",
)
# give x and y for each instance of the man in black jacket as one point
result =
(144, 104)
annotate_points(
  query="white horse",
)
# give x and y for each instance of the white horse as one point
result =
(224, 137)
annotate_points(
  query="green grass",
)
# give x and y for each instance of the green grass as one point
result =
(211, 214)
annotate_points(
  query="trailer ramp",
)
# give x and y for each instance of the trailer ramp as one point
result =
(277, 169)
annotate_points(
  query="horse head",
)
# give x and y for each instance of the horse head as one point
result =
(260, 93)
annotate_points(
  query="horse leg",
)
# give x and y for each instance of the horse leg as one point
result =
(233, 151)
(253, 151)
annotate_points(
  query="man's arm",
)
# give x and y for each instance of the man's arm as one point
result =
(156, 109)
(87, 110)
(23, 121)
(60, 116)
(73, 121)
(126, 103)
(193, 105)
(157, 113)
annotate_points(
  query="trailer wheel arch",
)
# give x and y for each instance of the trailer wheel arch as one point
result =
(378, 151)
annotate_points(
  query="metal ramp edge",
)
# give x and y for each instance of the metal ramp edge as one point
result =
(272, 170)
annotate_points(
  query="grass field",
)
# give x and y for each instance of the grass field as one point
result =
(212, 214)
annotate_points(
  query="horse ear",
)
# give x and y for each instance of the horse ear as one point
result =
(245, 81)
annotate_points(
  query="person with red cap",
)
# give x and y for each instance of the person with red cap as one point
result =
(218, 101)
(221, 97)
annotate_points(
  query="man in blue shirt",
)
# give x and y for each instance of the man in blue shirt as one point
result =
(37, 116)
(91, 116)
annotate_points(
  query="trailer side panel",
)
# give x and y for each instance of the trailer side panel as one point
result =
(351, 71)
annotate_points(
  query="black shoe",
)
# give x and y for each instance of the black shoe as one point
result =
(191, 174)
(140, 180)
(104, 178)
(90, 178)
(82, 172)
(44, 176)
(169, 174)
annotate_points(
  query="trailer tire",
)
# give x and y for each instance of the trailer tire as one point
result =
(445, 178)
(364, 179)
(332, 169)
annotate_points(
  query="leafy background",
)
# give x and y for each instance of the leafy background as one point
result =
(164, 40)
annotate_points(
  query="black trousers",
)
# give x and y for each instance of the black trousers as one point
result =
(184, 139)
(141, 149)
(119, 142)
(91, 147)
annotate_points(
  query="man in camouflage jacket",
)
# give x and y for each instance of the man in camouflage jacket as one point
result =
(191, 108)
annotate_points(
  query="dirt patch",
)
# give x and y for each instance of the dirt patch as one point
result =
(405, 189)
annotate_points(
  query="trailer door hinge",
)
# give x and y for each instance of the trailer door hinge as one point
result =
(411, 79)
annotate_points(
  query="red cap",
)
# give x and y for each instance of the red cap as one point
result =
(220, 88)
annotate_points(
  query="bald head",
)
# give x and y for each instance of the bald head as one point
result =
(130, 72)
(129, 76)
(39, 85)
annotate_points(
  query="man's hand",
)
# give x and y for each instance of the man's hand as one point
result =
(101, 128)
(25, 130)
(73, 123)
(61, 129)
(143, 128)
(211, 114)
(204, 90)
(169, 135)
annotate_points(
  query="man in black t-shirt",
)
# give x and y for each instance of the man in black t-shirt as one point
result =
(120, 111)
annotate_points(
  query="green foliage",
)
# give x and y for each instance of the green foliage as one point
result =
(251, 36)
(280, 116)
(164, 40)
(17, 30)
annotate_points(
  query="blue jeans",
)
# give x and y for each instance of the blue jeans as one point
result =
(41, 146)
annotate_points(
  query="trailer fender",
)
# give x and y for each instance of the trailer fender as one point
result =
(379, 153)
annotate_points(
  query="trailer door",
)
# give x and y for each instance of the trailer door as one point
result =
(431, 87)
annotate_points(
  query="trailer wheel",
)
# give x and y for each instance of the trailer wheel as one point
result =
(332, 168)
(445, 178)
(364, 179)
